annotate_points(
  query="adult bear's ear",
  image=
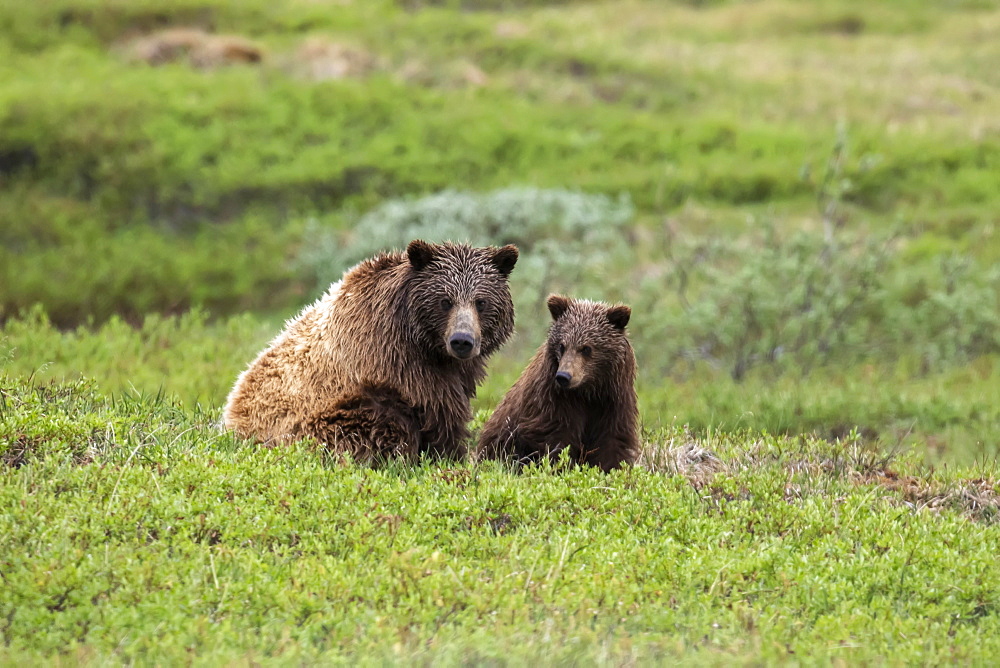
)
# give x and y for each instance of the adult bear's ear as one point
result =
(504, 259)
(420, 253)
(618, 316)
(558, 305)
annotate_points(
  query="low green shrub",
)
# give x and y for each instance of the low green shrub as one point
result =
(799, 299)
(953, 315)
(804, 302)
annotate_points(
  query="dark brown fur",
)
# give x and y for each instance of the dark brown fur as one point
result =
(372, 367)
(595, 416)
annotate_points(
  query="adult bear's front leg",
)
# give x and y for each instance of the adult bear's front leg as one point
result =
(444, 436)
(371, 427)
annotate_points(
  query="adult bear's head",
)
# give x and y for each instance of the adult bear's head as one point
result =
(459, 303)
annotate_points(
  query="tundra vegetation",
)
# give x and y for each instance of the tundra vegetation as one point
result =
(799, 200)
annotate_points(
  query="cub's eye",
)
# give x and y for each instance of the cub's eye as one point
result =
(562, 349)
(446, 304)
(480, 305)
(586, 351)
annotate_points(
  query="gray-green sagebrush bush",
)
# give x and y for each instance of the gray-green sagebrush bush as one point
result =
(569, 241)
(791, 302)
(539, 221)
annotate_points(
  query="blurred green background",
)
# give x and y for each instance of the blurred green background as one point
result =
(799, 199)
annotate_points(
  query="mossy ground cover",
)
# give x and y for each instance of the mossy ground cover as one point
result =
(134, 532)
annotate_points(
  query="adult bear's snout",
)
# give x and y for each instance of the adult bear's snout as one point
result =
(462, 345)
(463, 335)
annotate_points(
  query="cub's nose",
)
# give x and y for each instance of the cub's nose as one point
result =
(563, 378)
(462, 345)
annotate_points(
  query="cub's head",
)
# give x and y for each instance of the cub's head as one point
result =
(459, 301)
(587, 344)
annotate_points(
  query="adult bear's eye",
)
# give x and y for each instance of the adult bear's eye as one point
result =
(446, 304)
(480, 305)
(562, 349)
(586, 351)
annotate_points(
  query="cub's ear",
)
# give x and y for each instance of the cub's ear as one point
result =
(420, 253)
(504, 259)
(618, 316)
(558, 305)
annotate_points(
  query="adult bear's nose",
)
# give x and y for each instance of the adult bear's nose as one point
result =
(563, 378)
(462, 344)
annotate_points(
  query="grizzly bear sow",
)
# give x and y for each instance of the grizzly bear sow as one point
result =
(385, 363)
(578, 392)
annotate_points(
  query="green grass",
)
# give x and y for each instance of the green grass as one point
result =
(948, 415)
(719, 106)
(156, 539)
(187, 357)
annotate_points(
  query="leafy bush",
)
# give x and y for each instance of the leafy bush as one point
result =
(798, 299)
(532, 218)
(804, 302)
(954, 315)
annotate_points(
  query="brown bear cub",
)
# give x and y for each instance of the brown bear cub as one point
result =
(577, 393)
(386, 362)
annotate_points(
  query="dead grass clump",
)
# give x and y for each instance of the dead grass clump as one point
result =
(322, 60)
(977, 499)
(511, 30)
(683, 456)
(198, 48)
(450, 75)
(808, 462)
